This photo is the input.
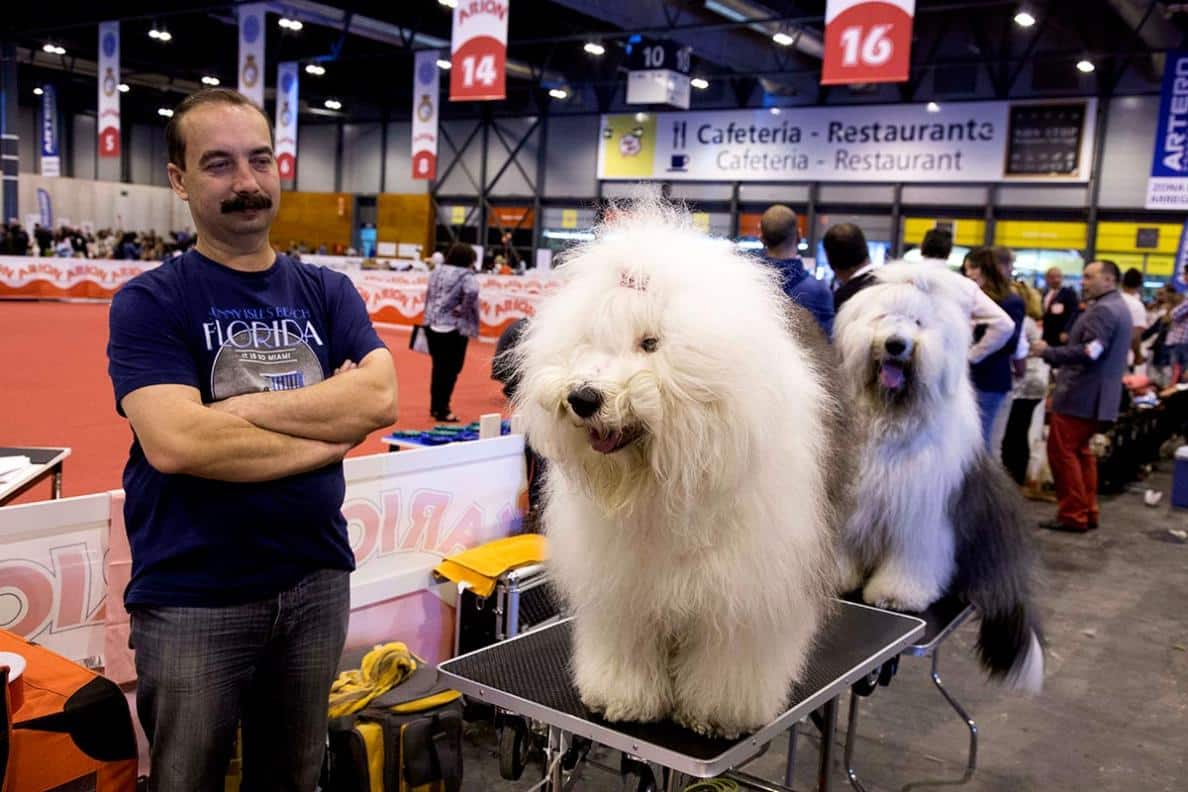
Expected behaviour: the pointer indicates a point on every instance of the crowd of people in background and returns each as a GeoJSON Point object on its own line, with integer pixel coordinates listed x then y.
{"type": "Point", "coordinates": [105, 243]}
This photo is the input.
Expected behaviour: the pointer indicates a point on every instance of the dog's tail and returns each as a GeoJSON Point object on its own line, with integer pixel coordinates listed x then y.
{"type": "Point", "coordinates": [996, 569]}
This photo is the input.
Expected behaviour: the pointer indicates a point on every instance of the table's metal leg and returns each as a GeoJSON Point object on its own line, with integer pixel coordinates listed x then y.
{"type": "Point", "coordinates": [553, 753]}
{"type": "Point", "coordinates": [972, 762]}
{"type": "Point", "coordinates": [57, 493]}
{"type": "Point", "coordinates": [851, 738]}
{"type": "Point", "coordinates": [790, 765]}
{"type": "Point", "coordinates": [828, 734]}
{"type": "Point", "coordinates": [673, 781]}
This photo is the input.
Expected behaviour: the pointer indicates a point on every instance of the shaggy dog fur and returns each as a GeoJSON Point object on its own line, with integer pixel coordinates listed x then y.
{"type": "Point", "coordinates": [934, 512]}
{"type": "Point", "coordinates": [690, 503]}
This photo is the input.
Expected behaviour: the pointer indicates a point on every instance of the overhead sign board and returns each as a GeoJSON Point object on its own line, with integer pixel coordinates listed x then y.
{"type": "Point", "coordinates": [658, 73]}
{"type": "Point", "coordinates": [478, 50]}
{"type": "Point", "coordinates": [867, 41]}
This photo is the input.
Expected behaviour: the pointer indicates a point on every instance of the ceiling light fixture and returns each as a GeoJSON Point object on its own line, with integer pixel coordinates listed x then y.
{"type": "Point", "coordinates": [54, 49]}
{"type": "Point", "coordinates": [1024, 19]}
{"type": "Point", "coordinates": [594, 48]}
{"type": "Point", "coordinates": [783, 39]}
{"type": "Point", "coordinates": [444, 64]}
{"type": "Point", "coordinates": [211, 81]}
{"type": "Point", "coordinates": [775, 111]}
{"type": "Point", "coordinates": [448, 3]}
{"type": "Point", "coordinates": [699, 83]}
{"type": "Point", "coordinates": [333, 104]}
{"type": "Point", "coordinates": [558, 93]}
{"type": "Point", "coordinates": [1085, 66]}
{"type": "Point", "coordinates": [38, 92]}
{"type": "Point", "coordinates": [315, 69]}
{"type": "Point", "coordinates": [933, 107]}
{"type": "Point", "coordinates": [124, 88]}
{"type": "Point", "coordinates": [165, 111]}
{"type": "Point", "coordinates": [290, 24]}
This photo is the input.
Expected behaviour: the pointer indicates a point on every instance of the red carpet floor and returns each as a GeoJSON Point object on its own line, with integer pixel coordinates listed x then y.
{"type": "Point", "coordinates": [54, 390]}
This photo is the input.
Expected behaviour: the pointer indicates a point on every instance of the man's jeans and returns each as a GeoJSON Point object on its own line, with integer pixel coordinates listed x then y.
{"type": "Point", "coordinates": [268, 664]}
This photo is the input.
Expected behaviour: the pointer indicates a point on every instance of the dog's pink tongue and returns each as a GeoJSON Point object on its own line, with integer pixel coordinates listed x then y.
{"type": "Point", "coordinates": [604, 444]}
{"type": "Point", "coordinates": [890, 377]}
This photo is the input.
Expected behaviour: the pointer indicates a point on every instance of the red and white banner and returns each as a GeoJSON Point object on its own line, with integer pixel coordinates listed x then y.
{"type": "Point", "coordinates": [109, 89]}
{"type": "Point", "coordinates": [57, 278]}
{"type": "Point", "coordinates": [392, 297]}
{"type": "Point", "coordinates": [251, 51]}
{"type": "Point", "coordinates": [478, 50]}
{"type": "Point", "coordinates": [426, 89]}
{"type": "Point", "coordinates": [399, 297]}
{"type": "Point", "coordinates": [287, 97]}
{"type": "Point", "coordinates": [867, 41]}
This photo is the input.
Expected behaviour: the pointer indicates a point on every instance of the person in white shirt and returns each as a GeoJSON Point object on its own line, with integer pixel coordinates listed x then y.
{"type": "Point", "coordinates": [935, 249]}
{"type": "Point", "coordinates": [1132, 289]}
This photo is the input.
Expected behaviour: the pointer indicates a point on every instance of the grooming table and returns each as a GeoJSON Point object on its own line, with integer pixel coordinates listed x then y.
{"type": "Point", "coordinates": [529, 675]}
{"type": "Point", "coordinates": [44, 463]}
{"type": "Point", "coordinates": [941, 619]}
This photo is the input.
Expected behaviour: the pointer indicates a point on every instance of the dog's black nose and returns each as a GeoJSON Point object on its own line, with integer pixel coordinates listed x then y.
{"type": "Point", "coordinates": [585, 401]}
{"type": "Point", "coordinates": [895, 346]}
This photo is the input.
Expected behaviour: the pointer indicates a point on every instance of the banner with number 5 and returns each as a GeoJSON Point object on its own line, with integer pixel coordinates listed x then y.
{"type": "Point", "coordinates": [867, 41]}
{"type": "Point", "coordinates": [478, 50]}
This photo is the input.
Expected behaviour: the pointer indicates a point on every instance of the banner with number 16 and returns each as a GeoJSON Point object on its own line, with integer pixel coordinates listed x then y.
{"type": "Point", "coordinates": [867, 41]}
{"type": "Point", "coordinates": [478, 50]}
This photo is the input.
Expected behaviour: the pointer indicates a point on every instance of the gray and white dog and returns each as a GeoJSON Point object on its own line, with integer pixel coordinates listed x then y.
{"type": "Point", "coordinates": [934, 513]}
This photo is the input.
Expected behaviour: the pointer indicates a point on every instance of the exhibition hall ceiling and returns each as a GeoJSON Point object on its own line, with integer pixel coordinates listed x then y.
{"type": "Point", "coordinates": [961, 50]}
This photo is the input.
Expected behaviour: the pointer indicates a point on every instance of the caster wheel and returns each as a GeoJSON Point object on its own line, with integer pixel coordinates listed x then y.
{"type": "Point", "coordinates": [513, 750]}
{"type": "Point", "coordinates": [865, 686]}
{"type": "Point", "coordinates": [637, 776]}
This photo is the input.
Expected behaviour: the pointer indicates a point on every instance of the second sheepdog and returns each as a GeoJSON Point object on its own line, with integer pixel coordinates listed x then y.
{"type": "Point", "coordinates": [689, 504]}
{"type": "Point", "coordinates": [934, 513]}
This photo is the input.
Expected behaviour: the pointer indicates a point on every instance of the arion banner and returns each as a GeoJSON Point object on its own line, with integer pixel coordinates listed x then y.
{"type": "Point", "coordinates": [109, 89]}
{"type": "Point", "coordinates": [426, 88]}
{"type": "Point", "coordinates": [867, 41]}
{"type": "Point", "coordinates": [287, 97]}
{"type": "Point", "coordinates": [478, 50]}
{"type": "Point", "coordinates": [251, 51]}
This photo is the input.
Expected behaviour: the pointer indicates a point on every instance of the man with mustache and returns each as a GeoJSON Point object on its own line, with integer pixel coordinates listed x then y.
{"type": "Point", "coordinates": [246, 377]}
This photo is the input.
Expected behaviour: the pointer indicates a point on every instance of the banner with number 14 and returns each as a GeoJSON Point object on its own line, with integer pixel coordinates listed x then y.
{"type": "Point", "coordinates": [478, 50]}
{"type": "Point", "coordinates": [867, 41]}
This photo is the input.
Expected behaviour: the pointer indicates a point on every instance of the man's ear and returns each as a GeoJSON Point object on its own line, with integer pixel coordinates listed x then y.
{"type": "Point", "coordinates": [175, 181]}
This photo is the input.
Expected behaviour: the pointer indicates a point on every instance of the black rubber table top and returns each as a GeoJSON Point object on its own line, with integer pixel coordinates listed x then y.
{"type": "Point", "coordinates": [37, 456]}
{"type": "Point", "coordinates": [937, 617]}
{"type": "Point", "coordinates": [535, 668]}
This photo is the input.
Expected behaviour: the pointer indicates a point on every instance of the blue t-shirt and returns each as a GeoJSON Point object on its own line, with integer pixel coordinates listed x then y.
{"type": "Point", "coordinates": [806, 291]}
{"type": "Point", "coordinates": [192, 321]}
{"type": "Point", "coordinates": [992, 373]}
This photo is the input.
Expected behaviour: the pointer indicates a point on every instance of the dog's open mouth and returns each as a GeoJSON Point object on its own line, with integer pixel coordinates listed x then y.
{"type": "Point", "coordinates": [608, 442]}
{"type": "Point", "coordinates": [892, 376]}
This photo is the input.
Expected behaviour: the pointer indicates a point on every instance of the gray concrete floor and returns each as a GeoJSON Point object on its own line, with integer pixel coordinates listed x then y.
{"type": "Point", "coordinates": [1114, 712]}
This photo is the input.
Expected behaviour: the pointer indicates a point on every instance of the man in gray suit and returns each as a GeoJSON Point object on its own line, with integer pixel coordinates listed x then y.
{"type": "Point", "coordinates": [1088, 392]}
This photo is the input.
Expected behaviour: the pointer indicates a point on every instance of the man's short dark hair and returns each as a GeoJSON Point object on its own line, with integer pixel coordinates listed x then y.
{"type": "Point", "coordinates": [1109, 268]}
{"type": "Point", "coordinates": [1133, 279]}
{"type": "Point", "coordinates": [845, 247]}
{"type": "Point", "coordinates": [778, 226]}
{"type": "Point", "coordinates": [937, 244]}
{"type": "Point", "coordinates": [461, 254]}
{"type": "Point", "coordinates": [175, 141]}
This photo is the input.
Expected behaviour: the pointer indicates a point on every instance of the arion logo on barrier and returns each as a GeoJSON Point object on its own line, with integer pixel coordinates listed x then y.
{"type": "Point", "coordinates": [384, 528]}
{"type": "Point", "coordinates": [35, 597]}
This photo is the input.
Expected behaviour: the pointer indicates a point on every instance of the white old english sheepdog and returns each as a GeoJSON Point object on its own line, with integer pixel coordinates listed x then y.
{"type": "Point", "coordinates": [934, 513]}
{"type": "Point", "coordinates": [694, 480]}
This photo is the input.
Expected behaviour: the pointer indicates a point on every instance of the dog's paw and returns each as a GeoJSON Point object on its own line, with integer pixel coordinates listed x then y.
{"type": "Point", "coordinates": [713, 727]}
{"type": "Point", "coordinates": [897, 595]}
{"type": "Point", "coordinates": [620, 709]}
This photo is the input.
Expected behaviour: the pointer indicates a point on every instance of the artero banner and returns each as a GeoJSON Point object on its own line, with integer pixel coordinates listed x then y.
{"type": "Point", "coordinates": [1049, 141]}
